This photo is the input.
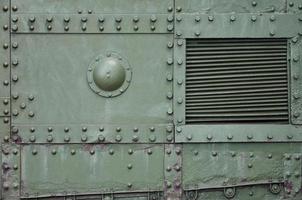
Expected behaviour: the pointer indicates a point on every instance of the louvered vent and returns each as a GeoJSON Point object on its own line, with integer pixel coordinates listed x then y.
{"type": "Point", "coordinates": [236, 80]}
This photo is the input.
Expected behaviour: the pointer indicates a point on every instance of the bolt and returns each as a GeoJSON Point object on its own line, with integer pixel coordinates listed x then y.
{"type": "Point", "coordinates": [289, 137]}
{"type": "Point", "coordinates": [250, 165]}
{"type": "Point", "coordinates": [149, 151]}
{"type": "Point", "coordinates": [214, 153]}
{"type": "Point", "coordinates": [178, 9]}
{"type": "Point", "coordinates": [34, 152]}
{"type": "Point", "coordinates": [66, 19]}
{"type": "Point", "coordinates": [135, 19]}
{"type": "Point", "coordinates": [168, 169]}
{"type": "Point", "coordinates": [233, 18]}
{"type": "Point", "coordinates": [101, 138]}
{"type": "Point", "coordinates": [14, 27]}
{"type": "Point", "coordinates": [101, 19]}
{"type": "Point", "coordinates": [5, 8]}
{"type": "Point", "coordinates": [135, 138]}
{"type": "Point", "coordinates": [118, 19]}
{"type": "Point", "coordinates": [54, 152]}
{"type": "Point", "coordinates": [269, 156]}
{"type": "Point", "coordinates": [83, 138]}
{"type": "Point", "coordinates": [129, 185]}
{"type": "Point", "coordinates": [249, 136]}
{"type": "Point", "coordinates": [66, 28]}
{"type": "Point", "coordinates": [32, 138]}
{"type": "Point", "coordinates": [5, 27]}
{"type": "Point", "coordinates": [118, 129]}
{"type": "Point", "coordinates": [178, 18]}
{"type": "Point", "coordinates": [189, 137]}
{"type": "Point", "coordinates": [118, 138]}
{"type": "Point", "coordinates": [73, 152]}
{"type": "Point", "coordinates": [49, 138]}
{"type": "Point", "coordinates": [291, 4]}
{"type": "Point", "coordinates": [269, 137]}
{"type": "Point", "coordinates": [197, 33]}
{"type": "Point", "coordinates": [152, 138]}
{"type": "Point", "coordinates": [153, 18]}
{"type": "Point", "coordinates": [170, 9]}
{"type": "Point", "coordinates": [14, 18]}
{"type": "Point", "coordinates": [66, 138]}
{"type": "Point", "coordinates": [15, 167]}
{"type": "Point", "coordinates": [32, 129]}
{"type": "Point", "coordinates": [22, 105]}
{"type": "Point", "coordinates": [211, 18]}
{"type": "Point", "coordinates": [111, 151]}
{"type": "Point", "coordinates": [254, 3]}
{"type": "Point", "coordinates": [254, 18]}
{"type": "Point", "coordinates": [230, 137]}
{"type": "Point", "coordinates": [209, 137]}
{"type": "Point", "coordinates": [272, 18]}
{"type": "Point", "coordinates": [91, 152]}
{"type": "Point", "coordinates": [5, 64]}
{"type": "Point", "coordinates": [89, 11]}
{"type": "Point", "coordinates": [197, 18]}
{"type": "Point", "coordinates": [170, 18]}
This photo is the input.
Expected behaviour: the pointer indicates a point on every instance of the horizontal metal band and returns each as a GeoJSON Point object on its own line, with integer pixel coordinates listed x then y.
{"type": "Point", "coordinates": [107, 23]}
{"type": "Point", "coordinates": [92, 133]}
{"type": "Point", "coordinates": [253, 25]}
{"type": "Point", "coordinates": [212, 133]}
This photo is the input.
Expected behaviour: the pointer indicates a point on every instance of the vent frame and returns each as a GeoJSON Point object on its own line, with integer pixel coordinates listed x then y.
{"type": "Point", "coordinates": [256, 50]}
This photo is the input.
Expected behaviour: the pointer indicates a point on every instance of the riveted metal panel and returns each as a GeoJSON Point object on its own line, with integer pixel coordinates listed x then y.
{"type": "Point", "coordinates": [250, 25]}
{"type": "Point", "coordinates": [87, 133]}
{"type": "Point", "coordinates": [227, 168]}
{"type": "Point", "coordinates": [93, 6]}
{"type": "Point", "coordinates": [62, 169]}
{"type": "Point", "coordinates": [246, 133]}
{"type": "Point", "coordinates": [294, 6]}
{"type": "Point", "coordinates": [295, 77]}
{"type": "Point", "coordinates": [4, 49]}
{"type": "Point", "coordinates": [105, 23]}
{"type": "Point", "coordinates": [55, 77]}
{"type": "Point", "coordinates": [229, 6]}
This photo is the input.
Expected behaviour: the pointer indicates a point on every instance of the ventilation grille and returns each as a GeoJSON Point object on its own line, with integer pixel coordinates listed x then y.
{"type": "Point", "coordinates": [236, 80]}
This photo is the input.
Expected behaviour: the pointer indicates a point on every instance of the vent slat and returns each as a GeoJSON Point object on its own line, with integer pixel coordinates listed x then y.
{"type": "Point", "coordinates": [236, 80]}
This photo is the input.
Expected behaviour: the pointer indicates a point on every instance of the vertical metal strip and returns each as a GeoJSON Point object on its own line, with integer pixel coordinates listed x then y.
{"type": "Point", "coordinates": [173, 172]}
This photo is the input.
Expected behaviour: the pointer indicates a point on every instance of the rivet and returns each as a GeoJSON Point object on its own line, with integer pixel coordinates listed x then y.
{"type": "Point", "coordinates": [170, 27]}
{"type": "Point", "coordinates": [149, 151]}
{"type": "Point", "coordinates": [169, 129]}
{"type": "Point", "coordinates": [50, 129]}
{"type": "Point", "coordinates": [251, 154]}
{"type": "Point", "coordinates": [189, 137]}
{"type": "Point", "coordinates": [118, 138]}
{"type": "Point", "coordinates": [118, 19]}
{"type": "Point", "coordinates": [5, 27]}
{"type": "Point", "coordinates": [209, 137]}
{"type": "Point", "coordinates": [233, 153]}
{"type": "Point", "coordinates": [66, 138]}
{"type": "Point", "coordinates": [250, 165]}
{"type": "Point", "coordinates": [177, 168]}
{"type": "Point", "coordinates": [129, 185]}
{"type": "Point", "coordinates": [295, 40]}
{"type": "Point", "coordinates": [53, 151]}
{"type": "Point", "coordinates": [272, 33]}
{"type": "Point", "coordinates": [289, 137]}
{"type": "Point", "coordinates": [254, 18]}
{"type": "Point", "coordinates": [170, 61]}
{"type": "Point", "coordinates": [195, 152]}
{"type": "Point", "coordinates": [32, 129]}
{"type": "Point", "coordinates": [101, 138]}
{"type": "Point", "coordinates": [254, 3]}
{"type": "Point", "coordinates": [15, 78]}
{"type": "Point", "coordinates": [84, 19]}
{"type": "Point", "coordinates": [89, 11]}
{"type": "Point", "coordinates": [5, 8]}
{"type": "Point", "coordinates": [169, 77]}
{"type": "Point", "coordinates": [179, 81]}
{"type": "Point", "coordinates": [214, 153]}
{"type": "Point", "coordinates": [101, 129]}
{"type": "Point", "coordinates": [178, 33]}
{"type": "Point", "coordinates": [169, 184]}
{"type": "Point", "coordinates": [296, 114]}
{"type": "Point", "coordinates": [73, 152]}
{"type": "Point", "coordinates": [14, 8]}
{"type": "Point", "coordinates": [101, 19]}
{"type": "Point", "coordinates": [34, 152]}
{"type": "Point", "coordinates": [49, 19]}
{"type": "Point", "coordinates": [178, 9]}
{"type": "Point", "coordinates": [211, 18]}
{"type": "Point", "coordinates": [15, 112]}
{"type": "Point", "coordinates": [169, 168]}
{"type": "Point", "coordinates": [135, 19]}
{"type": "Point", "coordinates": [152, 28]}
{"type": "Point", "coordinates": [178, 150]}
{"type": "Point", "coordinates": [178, 18]}
{"type": "Point", "coordinates": [170, 18]}
{"type": "Point", "coordinates": [297, 157]}
{"type": "Point", "coordinates": [15, 62]}
{"type": "Point", "coordinates": [6, 82]}
{"type": "Point", "coordinates": [15, 167]}
{"type": "Point", "coordinates": [169, 111]}
{"type": "Point", "coordinates": [135, 28]}
{"type": "Point", "coordinates": [170, 45]}
{"type": "Point", "coordinates": [179, 42]}
{"type": "Point", "coordinates": [130, 151]}
{"type": "Point", "coordinates": [197, 33]}
{"type": "Point", "coordinates": [179, 100]}
{"type": "Point", "coordinates": [296, 59]}
{"type": "Point", "coordinates": [14, 18]}
{"type": "Point", "coordinates": [66, 19]}
{"type": "Point", "coordinates": [84, 128]}
{"type": "Point", "coordinates": [6, 112]}
{"type": "Point", "coordinates": [153, 18]}
{"type": "Point", "coordinates": [49, 27]}
{"type": "Point", "coordinates": [300, 7]}
{"type": "Point", "coordinates": [272, 18]}
{"type": "Point", "coordinates": [118, 129]}
{"type": "Point", "coordinates": [169, 138]}
{"type": "Point", "coordinates": [22, 105]}
{"type": "Point", "coordinates": [49, 138]}
{"type": "Point", "coordinates": [287, 156]}
{"type": "Point", "coordinates": [84, 28]}
{"type": "Point", "coordinates": [180, 120]}
{"type": "Point", "coordinates": [14, 27]}
{"type": "Point", "coordinates": [5, 46]}
{"type": "Point", "coordinates": [5, 64]}
{"type": "Point", "coordinates": [287, 174]}
{"type": "Point", "coordinates": [111, 151]}
{"type": "Point", "coordinates": [269, 137]}
{"type": "Point", "coordinates": [249, 136]}
{"type": "Point", "coordinates": [91, 152]}
{"type": "Point", "coordinates": [269, 156]}
{"type": "Point", "coordinates": [135, 138]}
{"type": "Point", "coordinates": [197, 18]}
{"type": "Point", "coordinates": [66, 28]}
{"type": "Point", "coordinates": [152, 138]}
{"type": "Point", "coordinates": [291, 4]}
{"type": "Point", "coordinates": [230, 137]}
{"type": "Point", "coordinates": [233, 18]}
{"type": "Point", "coordinates": [83, 138]}
{"type": "Point", "coordinates": [6, 120]}
{"type": "Point", "coordinates": [6, 138]}
{"type": "Point", "coordinates": [80, 11]}
{"type": "Point", "coordinates": [170, 9]}
{"type": "Point", "coordinates": [169, 95]}
{"type": "Point", "coordinates": [32, 138]}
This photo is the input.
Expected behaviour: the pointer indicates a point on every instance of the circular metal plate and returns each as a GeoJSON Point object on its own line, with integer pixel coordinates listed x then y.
{"type": "Point", "coordinates": [109, 75]}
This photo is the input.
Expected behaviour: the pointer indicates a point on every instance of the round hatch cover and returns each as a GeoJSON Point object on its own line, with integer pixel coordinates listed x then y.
{"type": "Point", "coordinates": [109, 75]}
